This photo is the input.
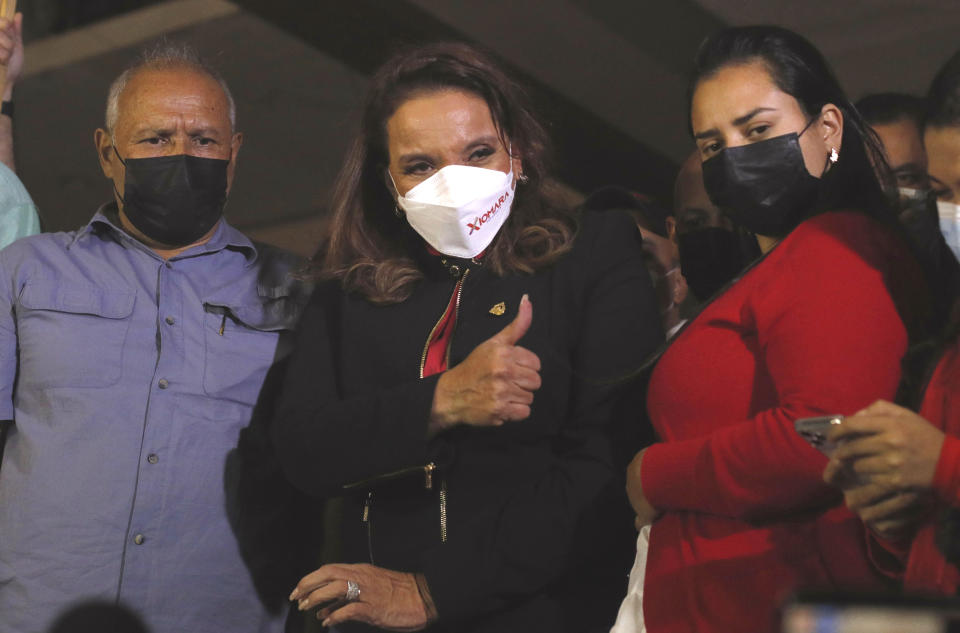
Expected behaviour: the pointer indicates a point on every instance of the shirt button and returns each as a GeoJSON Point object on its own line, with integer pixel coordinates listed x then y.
{"type": "Point", "coordinates": [168, 264]}
{"type": "Point", "coordinates": [170, 320]}
{"type": "Point", "coordinates": [139, 539]}
{"type": "Point", "coordinates": [163, 383]}
{"type": "Point", "coordinates": [152, 458]}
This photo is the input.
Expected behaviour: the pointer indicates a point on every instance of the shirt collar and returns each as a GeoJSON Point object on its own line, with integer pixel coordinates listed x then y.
{"type": "Point", "coordinates": [225, 237]}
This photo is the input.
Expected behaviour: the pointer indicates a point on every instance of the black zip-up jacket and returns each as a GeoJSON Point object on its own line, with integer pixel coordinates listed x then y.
{"type": "Point", "coordinates": [505, 523]}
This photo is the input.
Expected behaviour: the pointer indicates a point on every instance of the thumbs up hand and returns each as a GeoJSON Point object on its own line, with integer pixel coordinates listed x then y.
{"type": "Point", "coordinates": [492, 385]}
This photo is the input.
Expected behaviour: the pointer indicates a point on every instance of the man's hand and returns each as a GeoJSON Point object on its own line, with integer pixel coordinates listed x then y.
{"type": "Point", "coordinates": [885, 461]}
{"type": "Point", "coordinates": [492, 385]}
{"type": "Point", "coordinates": [11, 51]}
{"type": "Point", "coordinates": [893, 517]}
{"type": "Point", "coordinates": [646, 513]}
{"type": "Point", "coordinates": [388, 599]}
{"type": "Point", "coordinates": [885, 445]}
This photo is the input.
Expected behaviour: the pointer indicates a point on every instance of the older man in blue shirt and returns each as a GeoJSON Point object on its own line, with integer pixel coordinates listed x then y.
{"type": "Point", "coordinates": [132, 352]}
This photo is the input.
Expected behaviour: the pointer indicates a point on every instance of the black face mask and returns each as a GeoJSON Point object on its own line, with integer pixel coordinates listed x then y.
{"type": "Point", "coordinates": [174, 200]}
{"type": "Point", "coordinates": [764, 186]}
{"type": "Point", "coordinates": [709, 258]}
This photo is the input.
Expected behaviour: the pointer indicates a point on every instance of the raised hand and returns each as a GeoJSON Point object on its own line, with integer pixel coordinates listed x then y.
{"type": "Point", "coordinates": [492, 385]}
{"type": "Point", "coordinates": [11, 52]}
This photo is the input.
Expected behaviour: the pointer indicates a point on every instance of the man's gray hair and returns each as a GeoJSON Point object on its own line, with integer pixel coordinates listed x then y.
{"type": "Point", "coordinates": [162, 56]}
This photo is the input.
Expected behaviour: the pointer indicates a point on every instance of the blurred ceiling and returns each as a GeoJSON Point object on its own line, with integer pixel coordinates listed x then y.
{"type": "Point", "coordinates": [874, 45]}
{"type": "Point", "coordinates": [609, 76]}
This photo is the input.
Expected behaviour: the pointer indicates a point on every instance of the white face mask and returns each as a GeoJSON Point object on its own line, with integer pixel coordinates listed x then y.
{"type": "Point", "coordinates": [460, 209]}
{"type": "Point", "coordinates": [911, 193]}
{"type": "Point", "coordinates": [950, 225]}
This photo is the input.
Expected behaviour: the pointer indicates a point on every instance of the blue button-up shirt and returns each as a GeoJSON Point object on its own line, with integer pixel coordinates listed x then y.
{"type": "Point", "coordinates": [128, 379]}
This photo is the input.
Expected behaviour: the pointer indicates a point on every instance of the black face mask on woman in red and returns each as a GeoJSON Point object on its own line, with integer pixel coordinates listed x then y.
{"type": "Point", "coordinates": [764, 186]}
{"type": "Point", "coordinates": [174, 200]}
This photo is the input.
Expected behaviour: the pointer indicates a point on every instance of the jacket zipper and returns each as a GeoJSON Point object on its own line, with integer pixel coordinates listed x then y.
{"type": "Point", "coordinates": [423, 362]}
{"type": "Point", "coordinates": [443, 509]}
{"type": "Point", "coordinates": [365, 519]}
{"type": "Point", "coordinates": [433, 330]}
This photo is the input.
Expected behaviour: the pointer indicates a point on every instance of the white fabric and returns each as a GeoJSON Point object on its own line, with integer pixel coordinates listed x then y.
{"type": "Point", "coordinates": [460, 209]}
{"type": "Point", "coordinates": [950, 225]}
{"type": "Point", "coordinates": [676, 328]}
{"type": "Point", "coordinates": [630, 617]}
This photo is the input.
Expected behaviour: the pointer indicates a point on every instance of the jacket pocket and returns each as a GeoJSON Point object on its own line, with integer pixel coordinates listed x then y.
{"type": "Point", "coordinates": [72, 334]}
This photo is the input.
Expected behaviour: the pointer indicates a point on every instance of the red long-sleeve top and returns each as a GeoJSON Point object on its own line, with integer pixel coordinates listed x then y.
{"type": "Point", "coordinates": [926, 569]}
{"type": "Point", "coordinates": [813, 329]}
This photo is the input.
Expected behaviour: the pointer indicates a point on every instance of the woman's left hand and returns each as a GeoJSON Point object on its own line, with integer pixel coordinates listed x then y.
{"type": "Point", "coordinates": [646, 513]}
{"type": "Point", "coordinates": [388, 599]}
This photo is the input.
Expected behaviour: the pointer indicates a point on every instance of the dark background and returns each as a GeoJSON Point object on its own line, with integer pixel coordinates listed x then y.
{"type": "Point", "coordinates": [609, 77]}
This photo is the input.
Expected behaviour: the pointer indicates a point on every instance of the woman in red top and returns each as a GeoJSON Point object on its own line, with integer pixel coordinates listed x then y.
{"type": "Point", "coordinates": [740, 514]}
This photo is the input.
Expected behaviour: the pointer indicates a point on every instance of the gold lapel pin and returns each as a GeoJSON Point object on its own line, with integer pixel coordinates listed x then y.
{"type": "Point", "coordinates": [499, 309]}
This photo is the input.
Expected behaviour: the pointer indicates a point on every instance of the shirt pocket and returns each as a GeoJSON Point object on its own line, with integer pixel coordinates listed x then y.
{"type": "Point", "coordinates": [72, 334]}
{"type": "Point", "coordinates": [238, 355]}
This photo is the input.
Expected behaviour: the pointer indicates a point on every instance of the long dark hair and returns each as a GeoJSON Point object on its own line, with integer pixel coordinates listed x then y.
{"type": "Point", "coordinates": [857, 181]}
{"type": "Point", "coordinates": [943, 96]}
{"type": "Point", "coordinates": [368, 246]}
{"type": "Point", "coordinates": [942, 110]}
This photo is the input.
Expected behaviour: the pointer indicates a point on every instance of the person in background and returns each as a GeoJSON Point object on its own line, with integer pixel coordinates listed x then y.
{"type": "Point", "coordinates": [897, 119]}
{"type": "Point", "coordinates": [455, 379]}
{"type": "Point", "coordinates": [941, 138]}
{"type": "Point", "coordinates": [712, 250]}
{"type": "Point", "coordinates": [740, 514]}
{"type": "Point", "coordinates": [132, 352]}
{"type": "Point", "coordinates": [660, 252]}
{"type": "Point", "coordinates": [18, 214]}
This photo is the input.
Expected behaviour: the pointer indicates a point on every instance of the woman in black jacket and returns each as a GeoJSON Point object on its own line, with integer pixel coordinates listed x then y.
{"type": "Point", "coordinates": [456, 375]}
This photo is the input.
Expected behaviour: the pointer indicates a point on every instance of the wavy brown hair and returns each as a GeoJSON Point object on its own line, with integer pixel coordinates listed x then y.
{"type": "Point", "coordinates": [371, 249]}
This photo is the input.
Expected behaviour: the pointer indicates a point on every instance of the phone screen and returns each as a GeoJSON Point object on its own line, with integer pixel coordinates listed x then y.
{"type": "Point", "coordinates": [859, 619]}
{"type": "Point", "coordinates": [832, 612]}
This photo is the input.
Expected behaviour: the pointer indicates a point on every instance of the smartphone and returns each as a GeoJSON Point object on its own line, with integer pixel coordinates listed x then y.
{"type": "Point", "coordinates": [815, 430]}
